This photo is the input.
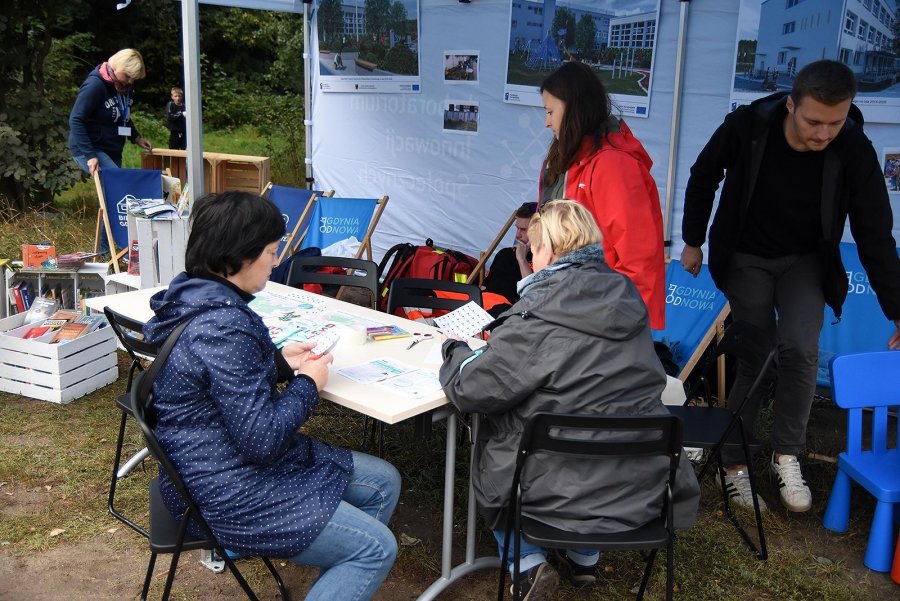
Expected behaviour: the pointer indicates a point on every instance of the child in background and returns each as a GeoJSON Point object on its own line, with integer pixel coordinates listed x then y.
{"type": "Point", "coordinates": [175, 120]}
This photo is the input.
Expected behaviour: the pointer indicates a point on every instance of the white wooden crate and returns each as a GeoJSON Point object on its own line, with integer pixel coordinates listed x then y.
{"type": "Point", "coordinates": [161, 246]}
{"type": "Point", "coordinates": [58, 373]}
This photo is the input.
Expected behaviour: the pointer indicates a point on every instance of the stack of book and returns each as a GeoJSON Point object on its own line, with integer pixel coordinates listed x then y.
{"type": "Point", "coordinates": [74, 260]}
{"type": "Point", "coordinates": [58, 326]}
{"type": "Point", "coordinates": [151, 208]}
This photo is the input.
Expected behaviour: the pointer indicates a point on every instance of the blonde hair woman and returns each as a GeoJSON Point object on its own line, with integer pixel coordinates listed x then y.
{"type": "Point", "coordinates": [577, 341]}
{"type": "Point", "coordinates": [100, 120]}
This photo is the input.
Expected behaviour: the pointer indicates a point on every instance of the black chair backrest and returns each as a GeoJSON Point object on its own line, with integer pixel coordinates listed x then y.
{"type": "Point", "coordinates": [578, 435]}
{"type": "Point", "coordinates": [419, 292]}
{"type": "Point", "coordinates": [142, 409]}
{"type": "Point", "coordinates": [130, 334]}
{"type": "Point", "coordinates": [364, 275]}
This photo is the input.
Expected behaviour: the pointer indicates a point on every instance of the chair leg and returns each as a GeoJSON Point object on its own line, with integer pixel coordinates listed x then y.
{"type": "Point", "coordinates": [837, 513]}
{"type": "Point", "coordinates": [647, 569]}
{"type": "Point", "coordinates": [237, 574]}
{"type": "Point", "coordinates": [150, 565]}
{"type": "Point", "coordinates": [670, 567]}
{"type": "Point", "coordinates": [278, 581]}
{"type": "Point", "coordinates": [879, 551]}
{"type": "Point", "coordinates": [170, 577]}
{"type": "Point", "coordinates": [114, 479]}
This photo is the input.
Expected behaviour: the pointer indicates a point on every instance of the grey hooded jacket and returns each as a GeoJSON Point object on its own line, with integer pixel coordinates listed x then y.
{"type": "Point", "coordinates": [576, 342]}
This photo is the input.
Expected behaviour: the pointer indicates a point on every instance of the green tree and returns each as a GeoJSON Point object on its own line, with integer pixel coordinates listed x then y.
{"type": "Point", "coordinates": [36, 91]}
{"type": "Point", "coordinates": [397, 19]}
{"type": "Point", "coordinates": [377, 17]}
{"type": "Point", "coordinates": [585, 36]}
{"type": "Point", "coordinates": [564, 20]}
{"type": "Point", "coordinates": [331, 20]}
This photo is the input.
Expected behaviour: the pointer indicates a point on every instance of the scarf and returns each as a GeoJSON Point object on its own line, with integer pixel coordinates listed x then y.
{"type": "Point", "coordinates": [592, 253]}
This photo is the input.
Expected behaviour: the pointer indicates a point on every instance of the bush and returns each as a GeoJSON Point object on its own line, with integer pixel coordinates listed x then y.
{"type": "Point", "coordinates": [401, 60]}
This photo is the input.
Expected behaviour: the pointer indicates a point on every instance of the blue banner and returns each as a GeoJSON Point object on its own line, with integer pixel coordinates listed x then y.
{"type": "Point", "coordinates": [122, 185]}
{"type": "Point", "coordinates": [336, 219]}
{"type": "Point", "coordinates": [291, 202]}
{"type": "Point", "coordinates": [692, 305]}
{"type": "Point", "coordinates": [863, 326]}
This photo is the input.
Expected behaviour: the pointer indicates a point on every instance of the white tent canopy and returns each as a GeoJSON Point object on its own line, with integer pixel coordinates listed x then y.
{"type": "Point", "coordinates": [459, 189]}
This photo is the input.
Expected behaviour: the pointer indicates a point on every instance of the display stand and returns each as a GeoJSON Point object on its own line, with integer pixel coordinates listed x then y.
{"type": "Point", "coordinates": [221, 171]}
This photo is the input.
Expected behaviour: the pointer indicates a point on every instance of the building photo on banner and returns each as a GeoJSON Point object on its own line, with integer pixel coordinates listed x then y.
{"type": "Point", "coordinates": [617, 38]}
{"type": "Point", "coordinates": [369, 46]}
{"type": "Point", "coordinates": [777, 39]}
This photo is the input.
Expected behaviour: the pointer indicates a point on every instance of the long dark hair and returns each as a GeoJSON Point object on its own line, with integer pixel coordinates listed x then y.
{"type": "Point", "coordinates": [587, 113]}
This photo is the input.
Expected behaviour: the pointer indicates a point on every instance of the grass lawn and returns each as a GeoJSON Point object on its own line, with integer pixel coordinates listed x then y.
{"type": "Point", "coordinates": [519, 74]}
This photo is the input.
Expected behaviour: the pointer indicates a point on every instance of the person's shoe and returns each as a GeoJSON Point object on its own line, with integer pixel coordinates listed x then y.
{"type": "Point", "coordinates": [538, 584]}
{"type": "Point", "coordinates": [795, 495]}
{"type": "Point", "coordinates": [579, 575]}
{"type": "Point", "coordinates": [737, 488]}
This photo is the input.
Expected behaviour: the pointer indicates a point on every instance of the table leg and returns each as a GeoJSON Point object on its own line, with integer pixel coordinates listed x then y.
{"type": "Point", "coordinates": [450, 574]}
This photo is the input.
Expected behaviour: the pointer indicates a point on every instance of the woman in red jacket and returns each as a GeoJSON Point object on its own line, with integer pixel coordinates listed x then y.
{"type": "Point", "coordinates": [595, 160]}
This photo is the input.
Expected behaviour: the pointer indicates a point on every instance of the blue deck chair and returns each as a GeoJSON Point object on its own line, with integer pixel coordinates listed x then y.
{"type": "Point", "coordinates": [695, 314]}
{"type": "Point", "coordinates": [295, 205]}
{"type": "Point", "coordinates": [863, 327]}
{"type": "Point", "coordinates": [115, 187]}
{"type": "Point", "coordinates": [334, 219]}
{"type": "Point", "coordinates": [868, 381]}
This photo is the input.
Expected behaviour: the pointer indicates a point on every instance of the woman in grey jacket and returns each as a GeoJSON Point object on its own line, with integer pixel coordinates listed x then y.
{"type": "Point", "coordinates": [578, 341]}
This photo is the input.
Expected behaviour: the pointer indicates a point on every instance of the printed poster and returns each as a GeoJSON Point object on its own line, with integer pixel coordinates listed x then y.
{"type": "Point", "coordinates": [369, 46]}
{"type": "Point", "coordinates": [617, 38]}
{"type": "Point", "coordinates": [777, 39]}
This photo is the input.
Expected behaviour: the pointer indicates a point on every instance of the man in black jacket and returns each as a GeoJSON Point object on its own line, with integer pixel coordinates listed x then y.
{"type": "Point", "coordinates": [795, 167]}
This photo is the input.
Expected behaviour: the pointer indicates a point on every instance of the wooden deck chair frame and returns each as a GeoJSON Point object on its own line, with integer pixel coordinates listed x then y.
{"type": "Point", "coordinates": [103, 221]}
{"type": "Point", "coordinates": [716, 331]}
{"type": "Point", "coordinates": [478, 271]}
{"type": "Point", "coordinates": [290, 245]}
{"type": "Point", "coordinates": [365, 244]}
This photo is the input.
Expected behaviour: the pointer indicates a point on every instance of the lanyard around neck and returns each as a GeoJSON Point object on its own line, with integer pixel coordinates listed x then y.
{"type": "Point", "coordinates": [122, 102]}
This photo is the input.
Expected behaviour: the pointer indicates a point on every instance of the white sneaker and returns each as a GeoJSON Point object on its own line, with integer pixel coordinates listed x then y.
{"type": "Point", "coordinates": [737, 487]}
{"type": "Point", "coordinates": [795, 495]}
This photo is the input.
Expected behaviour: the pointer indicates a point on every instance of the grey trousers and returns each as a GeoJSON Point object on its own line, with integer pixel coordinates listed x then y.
{"type": "Point", "coordinates": [783, 297]}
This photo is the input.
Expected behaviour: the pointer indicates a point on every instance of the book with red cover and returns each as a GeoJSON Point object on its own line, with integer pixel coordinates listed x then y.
{"type": "Point", "coordinates": [134, 265]}
{"type": "Point", "coordinates": [36, 332]}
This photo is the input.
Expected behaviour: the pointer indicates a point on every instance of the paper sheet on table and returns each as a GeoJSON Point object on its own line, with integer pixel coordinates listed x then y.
{"type": "Point", "coordinates": [415, 384]}
{"type": "Point", "coordinates": [466, 321]}
{"type": "Point", "coordinates": [375, 371]}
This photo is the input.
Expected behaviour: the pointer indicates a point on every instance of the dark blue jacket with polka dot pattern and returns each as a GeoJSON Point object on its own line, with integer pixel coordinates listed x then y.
{"type": "Point", "coordinates": [263, 487]}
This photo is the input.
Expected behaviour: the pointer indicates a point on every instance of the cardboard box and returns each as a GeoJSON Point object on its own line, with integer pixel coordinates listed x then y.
{"type": "Point", "coordinates": [58, 373]}
{"type": "Point", "coordinates": [161, 244]}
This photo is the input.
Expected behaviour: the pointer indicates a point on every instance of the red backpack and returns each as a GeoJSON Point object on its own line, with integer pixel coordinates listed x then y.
{"type": "Point", "coordinates": [408, 261]}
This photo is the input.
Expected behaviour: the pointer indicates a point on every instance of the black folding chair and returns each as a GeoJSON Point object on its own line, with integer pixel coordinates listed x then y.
{"type": "Point", "coordinates": [360, 274]}
{"type": "Point", "coordinates": [130, 335]}
{"type": "Point", "coordinates": [713, 427]}
{"type": "Point", "coordinates": [420, 292]}
{"type": "Point", "coordinates": [168, 534]}
{"type": "Point", "coordinates": [595, 438]}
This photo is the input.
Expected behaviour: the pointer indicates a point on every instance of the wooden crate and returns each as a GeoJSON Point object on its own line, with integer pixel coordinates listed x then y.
{"type": "Point", "coordinates": [221, 171]}
{"type": "Point", "coordinates": [161, 246]}
{"type": "Point", "coordinates": [58, 373]}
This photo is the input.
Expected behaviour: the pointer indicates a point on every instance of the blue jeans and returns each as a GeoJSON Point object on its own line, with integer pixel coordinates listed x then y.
{"type": "Point", "coordinates": [356, 549]}
{"type": "Point", "coordinates": [104, 159]}
{"type": "Point", "coordinates": [532, 555]}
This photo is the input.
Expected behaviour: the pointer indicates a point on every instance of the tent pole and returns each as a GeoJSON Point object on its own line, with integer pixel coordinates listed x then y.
{"type": "Point", "coordinates": [676, 123]}
{"type": "Point", "coordinates": [190, 35]}
{"type": "Point", "coordinates": [307, 92]}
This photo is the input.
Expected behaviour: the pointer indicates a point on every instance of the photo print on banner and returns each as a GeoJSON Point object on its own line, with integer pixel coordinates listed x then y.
{"type": "Point", "coordinates": [617, 38]}
{"type": "Point", "coordinates": [777, 39]}
{"type": "Point", "coordinates": [369, 46]}
{"type": "Point", "coordinates": [461, 117]}
{"type": "Point", "coordinates": [461, 67]}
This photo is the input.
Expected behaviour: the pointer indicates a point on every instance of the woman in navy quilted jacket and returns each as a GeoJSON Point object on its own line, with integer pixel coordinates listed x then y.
{"type": "Point", "coordinates": [262, 486]}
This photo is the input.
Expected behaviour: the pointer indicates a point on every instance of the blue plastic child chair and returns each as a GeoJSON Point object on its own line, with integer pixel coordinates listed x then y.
{"type": "Point", "coordinates": [868, 380]}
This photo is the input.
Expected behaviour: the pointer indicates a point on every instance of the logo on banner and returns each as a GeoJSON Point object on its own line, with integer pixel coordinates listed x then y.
{"type": "Point", "coordinates": [858, 283]}
{"type": "Point", "coordinates": [691, 298]}
{"type": "Point", "coordinates": [339, 225]}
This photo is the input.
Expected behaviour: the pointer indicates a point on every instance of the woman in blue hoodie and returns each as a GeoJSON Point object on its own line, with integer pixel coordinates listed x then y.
{"type": "Point", "coordinates": [100, 120]}
{"type": "Point", "coordinates": [263, 486]}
